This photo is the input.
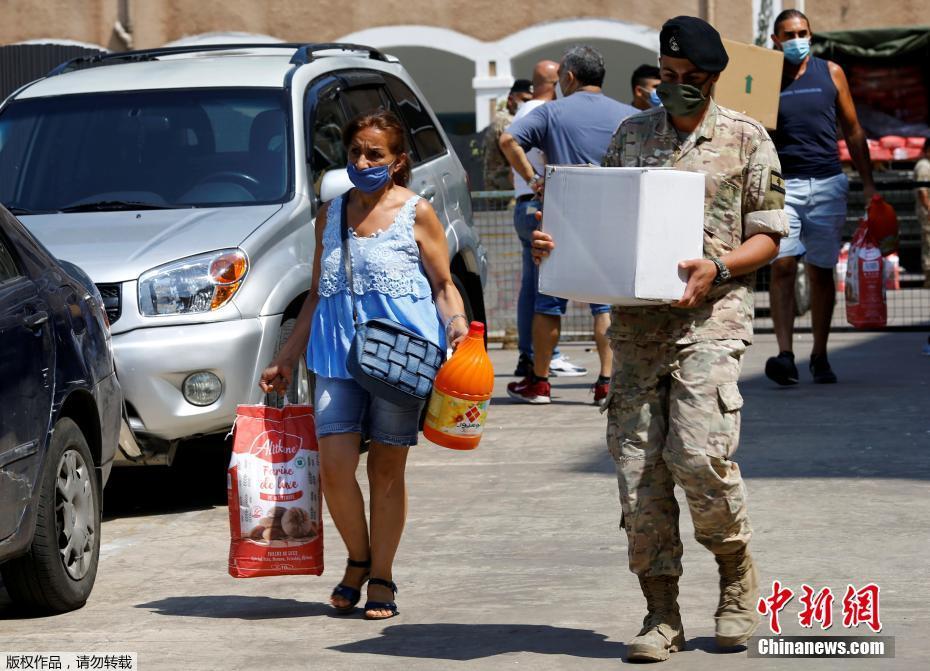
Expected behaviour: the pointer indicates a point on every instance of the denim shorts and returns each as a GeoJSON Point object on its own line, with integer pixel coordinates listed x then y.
{"type": "Point", "coordinates": [342, 406]}
{"type": "Point", "coordinates": [816, 210]}
{"type": "Point", "coordinates": [555, 306]}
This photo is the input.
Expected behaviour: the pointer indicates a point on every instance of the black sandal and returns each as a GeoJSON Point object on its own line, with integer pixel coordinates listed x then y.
{"type": "Point", "coordinates": [350, 594]}
{"type": "Point", "coordinates": [381, 605]}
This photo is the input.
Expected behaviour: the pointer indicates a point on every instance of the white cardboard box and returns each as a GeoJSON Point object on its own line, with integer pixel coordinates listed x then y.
{"type": "Point", "coordinates": [620, 233]}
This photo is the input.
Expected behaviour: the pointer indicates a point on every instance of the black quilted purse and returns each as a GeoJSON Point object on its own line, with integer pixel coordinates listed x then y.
{"type": "Point", "coordinates": [387, 359]}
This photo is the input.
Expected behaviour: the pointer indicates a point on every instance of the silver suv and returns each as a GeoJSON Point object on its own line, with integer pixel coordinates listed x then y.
{"type": "Point", "coordinates": [185, 182]}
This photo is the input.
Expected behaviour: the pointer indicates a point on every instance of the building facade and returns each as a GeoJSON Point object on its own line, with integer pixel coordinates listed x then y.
{"type": "Point", "coordinates": [464, 55]}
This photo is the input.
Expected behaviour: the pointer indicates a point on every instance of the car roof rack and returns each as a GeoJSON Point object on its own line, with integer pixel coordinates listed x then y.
{"type": "Point", "coordinates": [303, 53]}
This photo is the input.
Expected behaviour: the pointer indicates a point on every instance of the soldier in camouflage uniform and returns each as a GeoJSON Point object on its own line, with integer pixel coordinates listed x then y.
{"type": "Point", "coordinates": [497, 176]}
{"type": "Point", "coordinates": [674, 405]}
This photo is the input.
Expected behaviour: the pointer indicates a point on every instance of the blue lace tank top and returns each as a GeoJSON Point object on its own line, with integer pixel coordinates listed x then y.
{"type": "Point", "coordinates": [388, 282]}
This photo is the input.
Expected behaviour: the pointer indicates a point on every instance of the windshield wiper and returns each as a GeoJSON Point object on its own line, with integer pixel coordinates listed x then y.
{"type": "Point", "coordinates": [22, 211]}
{"type": "Point", "coordinates": [114, 205]}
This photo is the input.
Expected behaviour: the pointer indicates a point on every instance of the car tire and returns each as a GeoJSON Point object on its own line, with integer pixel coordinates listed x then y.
{"type": "Point", "coordinates": [46, 579]}
{"type": "Point", "coordinates": [460, 285]}
{"type": "Point", "coordinates": [301, 388]}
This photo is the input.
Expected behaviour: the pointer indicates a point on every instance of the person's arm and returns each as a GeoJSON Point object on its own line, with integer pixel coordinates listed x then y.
{"type": "Point", "coordinates": [852, 131]}
{"type": "Point", "coordinates": [764, 224]}
{"type": "Point", "coordinates": [434, 253]}
{"type": "Point", "coordinates": [277, 376]}
{"type": "Point", "coordinates": [522, 135]}
{"type": "Point", "coordinates": [516, 157]}
{"type": "Point", "coordinates": [922, 174]}
{"type": "Point", "coordinates": [755, 252]}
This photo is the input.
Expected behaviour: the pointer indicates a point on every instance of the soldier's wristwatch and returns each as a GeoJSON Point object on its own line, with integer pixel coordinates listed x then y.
{"type": "Point", "coordinates": [723, 273]}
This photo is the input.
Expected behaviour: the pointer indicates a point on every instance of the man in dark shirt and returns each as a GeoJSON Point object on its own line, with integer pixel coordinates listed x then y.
{"type": "Point", "coordinates": [814, 96]}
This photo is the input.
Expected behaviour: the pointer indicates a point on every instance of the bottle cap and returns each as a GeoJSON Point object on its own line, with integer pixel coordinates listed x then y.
{"type": "Point", "coordinates": [476, 328]}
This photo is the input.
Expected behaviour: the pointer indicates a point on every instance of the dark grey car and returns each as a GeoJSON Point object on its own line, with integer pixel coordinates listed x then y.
{"type": "Point", "coordinates": [60, 406]}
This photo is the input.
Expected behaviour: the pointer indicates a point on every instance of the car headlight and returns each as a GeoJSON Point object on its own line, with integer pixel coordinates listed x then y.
{"type": "Point", "coordinates": [196, 284]}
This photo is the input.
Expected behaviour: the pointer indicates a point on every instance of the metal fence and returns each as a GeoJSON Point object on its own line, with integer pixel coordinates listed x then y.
{"type": "Point", "coordinates": [22, 63]}
{"type": "Point", "coordinates": [908, 306]}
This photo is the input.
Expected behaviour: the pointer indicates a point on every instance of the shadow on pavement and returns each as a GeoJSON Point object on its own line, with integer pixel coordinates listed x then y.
{"type": "Point", "coordinates": [709, 644]}
{"type": "Point", "coordinates": [235, 607]}
{"type": "Point", "coordinates": [195, 481]}
{"type": "Point", "coordinates": [463, 642]}
{"type": "Point", "coordinates": [874, 424]}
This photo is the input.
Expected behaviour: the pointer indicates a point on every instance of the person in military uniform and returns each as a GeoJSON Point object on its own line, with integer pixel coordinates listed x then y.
{"type": "Point", "coordinates": [674, 406]}
{"type": "Point", "coordinates": [496, 168]}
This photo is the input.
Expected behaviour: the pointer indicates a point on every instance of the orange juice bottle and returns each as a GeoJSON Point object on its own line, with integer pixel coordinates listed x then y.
{"type": "Point", "coordinates": [462, 391]}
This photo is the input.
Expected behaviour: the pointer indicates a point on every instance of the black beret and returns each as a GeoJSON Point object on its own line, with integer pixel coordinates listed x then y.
{"type": "Point", "coordinates": [695, 39]}
{"type": "Point", "coordinates": [522, 86]}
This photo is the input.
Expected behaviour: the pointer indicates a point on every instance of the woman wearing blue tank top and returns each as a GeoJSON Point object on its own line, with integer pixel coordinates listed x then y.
{"type": "Point", "coordinates": [400, 268]}
{"type": "Point", "coordinates": [814, 96]}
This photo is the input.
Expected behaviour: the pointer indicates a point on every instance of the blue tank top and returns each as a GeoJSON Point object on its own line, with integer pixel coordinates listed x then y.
{"type": "Point", "coordinates": [388, 282]}
{"type": "Point", "coordinates": [806, 132]}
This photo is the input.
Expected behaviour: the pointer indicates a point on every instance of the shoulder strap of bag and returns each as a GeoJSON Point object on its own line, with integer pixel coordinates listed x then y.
{"type": "Point", "coordinates": [346, 254]}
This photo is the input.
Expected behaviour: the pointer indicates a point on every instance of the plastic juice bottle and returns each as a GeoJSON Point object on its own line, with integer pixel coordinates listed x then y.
{"type": "Point", "coordinates": [462, 391]}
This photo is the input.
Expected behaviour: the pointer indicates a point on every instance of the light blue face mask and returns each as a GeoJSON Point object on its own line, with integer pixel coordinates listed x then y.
{"type": "Point", "coordinates": [654, 98]}
{"type": "Point", "coordinates": [796, 50]}
{"type": "Point", "coordinates": [370, 179]}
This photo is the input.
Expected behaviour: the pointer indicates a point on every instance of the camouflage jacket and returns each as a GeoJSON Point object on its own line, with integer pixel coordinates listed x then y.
{"type": "Point", "coordinates": [496, 168]}
{"type": "Point", "coordinates": [744, 195]}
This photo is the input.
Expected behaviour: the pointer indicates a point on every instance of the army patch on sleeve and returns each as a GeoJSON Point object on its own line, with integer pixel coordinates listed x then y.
{"type": "Point", "coordinates": [776, 182]}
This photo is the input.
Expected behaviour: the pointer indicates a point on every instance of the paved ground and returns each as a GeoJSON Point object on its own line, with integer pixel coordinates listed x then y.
{"type": "Point", "coordinates": [513, 557]}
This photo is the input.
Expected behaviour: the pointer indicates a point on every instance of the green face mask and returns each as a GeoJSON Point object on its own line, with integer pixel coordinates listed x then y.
{"type": "Point", "coordinates": [681, 99]}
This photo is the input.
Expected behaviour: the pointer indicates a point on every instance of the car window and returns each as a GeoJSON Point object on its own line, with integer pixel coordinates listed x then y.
{"type": "Point", "coordinates": [326, 121]}
{"type": "Point", "coordinates": [8, 269]}
{"type": "Point", "coordinates": [427, 141]}
{"type": "Point", "coordinates": [363, 101]}
{"type": "Point", "coordinates": [167, 148]}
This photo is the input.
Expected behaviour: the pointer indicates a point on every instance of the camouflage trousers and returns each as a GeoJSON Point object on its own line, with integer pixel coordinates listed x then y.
{"type": "Point", "coordinates": [674, 418]}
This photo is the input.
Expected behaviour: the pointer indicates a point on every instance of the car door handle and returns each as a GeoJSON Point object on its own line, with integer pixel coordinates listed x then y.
{"type": "Point", "coordinates": [35, 320]}
{"type": "Point", "coordinates": [428, 192]}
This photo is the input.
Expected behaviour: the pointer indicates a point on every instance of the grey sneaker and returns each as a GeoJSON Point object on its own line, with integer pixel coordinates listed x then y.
{"type": "Point", "coordinates": [562, 367]}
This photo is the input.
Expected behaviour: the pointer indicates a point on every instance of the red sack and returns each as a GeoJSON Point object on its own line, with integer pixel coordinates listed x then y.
{"type": "Point", "coordinates": [273, 485]}
{"type": "Point", "coordinates": [865, 282]}
{"type": "Point", "coordinates": [882, 222]}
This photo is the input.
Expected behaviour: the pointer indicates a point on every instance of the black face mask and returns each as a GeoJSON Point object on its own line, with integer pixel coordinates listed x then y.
{"type": "Point", "coordinates": [682, 100]}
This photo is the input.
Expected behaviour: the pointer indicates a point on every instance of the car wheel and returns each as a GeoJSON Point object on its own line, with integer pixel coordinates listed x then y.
{"type": "Point", "coordinates": [460, 285]}
{"type": "Point", "coordinates": [301, 389]}
{"type": "Point", "coordinates": [58, 572]}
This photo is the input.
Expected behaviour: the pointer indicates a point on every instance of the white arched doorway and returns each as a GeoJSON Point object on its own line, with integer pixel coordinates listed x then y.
{"type": "Point", "coordinates": [626, 45]}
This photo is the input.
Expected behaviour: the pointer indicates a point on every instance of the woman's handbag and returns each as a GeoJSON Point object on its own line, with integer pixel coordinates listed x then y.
{"type": "Point", "coordinates": [388, 360]}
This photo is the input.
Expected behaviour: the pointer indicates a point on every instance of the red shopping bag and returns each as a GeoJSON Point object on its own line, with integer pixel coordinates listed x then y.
{"type": "Point", "coordinates": [882, 222]}
{"type": "Point", "coordinates": [273, 485]}
{"type": "Point", "coordinates": [865, 282]}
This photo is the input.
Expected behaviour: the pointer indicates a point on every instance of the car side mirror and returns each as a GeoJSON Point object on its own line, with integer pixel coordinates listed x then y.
{"type": "Point", "coordinates": [335, 183]}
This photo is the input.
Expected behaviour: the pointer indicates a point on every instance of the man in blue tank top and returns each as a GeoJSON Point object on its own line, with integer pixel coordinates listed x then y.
{"type": "Point", "coordinates": [814, 96]}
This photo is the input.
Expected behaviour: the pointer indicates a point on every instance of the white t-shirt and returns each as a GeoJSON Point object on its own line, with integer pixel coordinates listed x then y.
{"type": "Point", "coordinates": [535, 156]}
